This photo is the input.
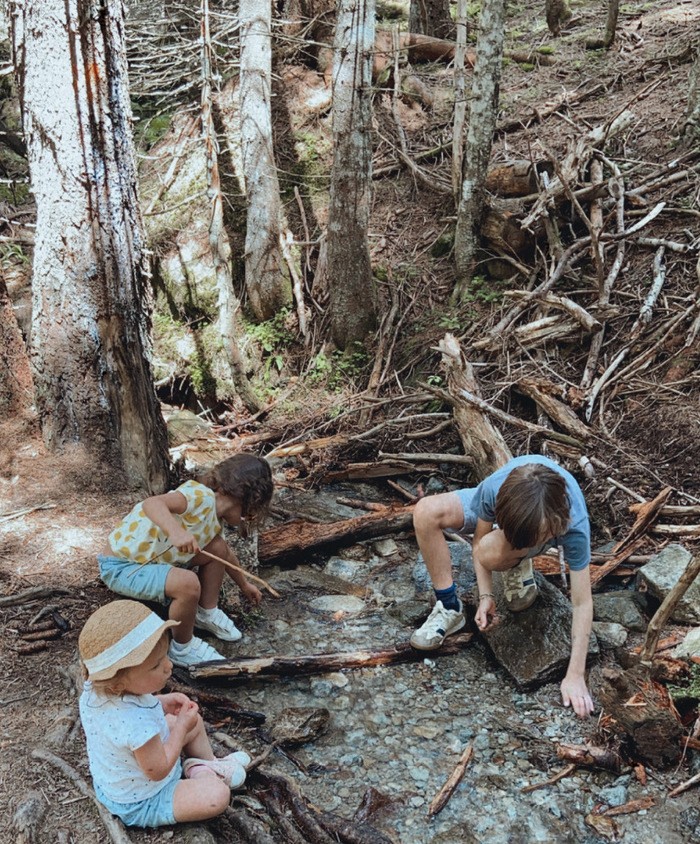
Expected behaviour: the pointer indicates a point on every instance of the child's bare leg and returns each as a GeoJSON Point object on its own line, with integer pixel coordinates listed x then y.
{"type": "Point", "coordinates": [197, 742]}
{"type": "Point", "coordinates": [201, 797]}
{"type": "Point", "coordinates": [431, 516]}
{"type": "Point", "coordinates": [183, 588]}
{"type": "Point", "coordinates": [211, 573]}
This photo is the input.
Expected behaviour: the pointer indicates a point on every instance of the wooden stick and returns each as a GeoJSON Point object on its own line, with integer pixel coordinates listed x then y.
{"type": "Point", "coordinates": [630, 807]}
{"type": "Point", "coordinates": [569, 769]}
{"type": "Point", "coordinates": [668, 605]}
{"type": "Point", "coordinates": [684, 786]}
{"type": "Point", "coordinates": [113, 826]}
{"type": "Point", "coordinates": [442, 797]}
{"type": "Point", "coordinates": [234, 567]}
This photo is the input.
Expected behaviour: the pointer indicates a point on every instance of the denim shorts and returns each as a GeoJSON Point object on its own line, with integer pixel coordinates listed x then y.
{"type": "Point", "coordinates": [141, 582]}
{"type": "Point", "coordinates": [154, 811]}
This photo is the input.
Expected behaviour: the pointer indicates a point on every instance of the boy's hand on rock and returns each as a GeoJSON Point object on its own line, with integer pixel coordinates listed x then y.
{"type": "Point", "coordinates": [486, 616]}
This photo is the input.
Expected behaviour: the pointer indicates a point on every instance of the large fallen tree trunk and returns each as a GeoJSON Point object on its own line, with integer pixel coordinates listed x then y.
{"type": "Point", "coordinates": [294, 538]}
{"type": "Point", "coordinates": [294, 666]}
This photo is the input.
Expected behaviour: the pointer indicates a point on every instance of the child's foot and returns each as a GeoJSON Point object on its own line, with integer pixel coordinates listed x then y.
{"type": "Point", "coordinates": [227, 769]}
{"type": "Point", "coordinates": [519, 587]}
{"type": "Point", "coordinates": [217, 622]}
{"type": "Point", "coordinates": [240, 756]}
{"type": "Point", "coordinates": [439, 624]}
{"type": "Point", "coordinates": [192, 653]}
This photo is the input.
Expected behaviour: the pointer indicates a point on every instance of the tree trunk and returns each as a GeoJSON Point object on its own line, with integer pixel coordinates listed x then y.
{"type": "Point", "coordinates": [431, 17]}
{"type": "Point", "coordinates": [482, 123]}
{"type": "Point", "coordinates": [353, 309]}
{"type": "Point", "coordinates": [91, 297]}
{"type": "Point", "coordinates": [16, 388]}
{"type": "Point", "coordinates": [692, 121]}
{"type": "Point", "coordinates": [267, 278]}
{"type": "Point", "coordinates": [557, 13]}
{"type": "Point", "coordinates": [229, 304]}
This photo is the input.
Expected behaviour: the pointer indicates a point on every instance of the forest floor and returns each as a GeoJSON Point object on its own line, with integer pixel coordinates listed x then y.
{"type": "Point", "coordinates": [398, 729]}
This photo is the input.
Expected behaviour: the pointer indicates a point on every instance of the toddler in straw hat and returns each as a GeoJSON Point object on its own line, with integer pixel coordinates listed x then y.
{"type": "Point", "coordinates": [155, 554]}
{"type": "Point", "coordinates": [135, 736]}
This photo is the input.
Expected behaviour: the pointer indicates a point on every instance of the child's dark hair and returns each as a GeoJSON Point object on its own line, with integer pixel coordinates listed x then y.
{"type": "Point", "coordinates": [246, 477]}
{"type": "Point", "coordinates": [532, 499]}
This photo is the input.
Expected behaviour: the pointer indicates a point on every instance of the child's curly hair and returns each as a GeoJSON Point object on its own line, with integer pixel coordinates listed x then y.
{"type": "Point", "coordinates": [245, 477]}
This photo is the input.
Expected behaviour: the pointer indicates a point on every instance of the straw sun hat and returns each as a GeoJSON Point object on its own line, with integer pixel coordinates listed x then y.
{"type": "Point", "coordinates": [118, 635]}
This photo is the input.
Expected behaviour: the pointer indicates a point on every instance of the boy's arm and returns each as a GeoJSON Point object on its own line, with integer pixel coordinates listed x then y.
{"type": "Point", "coordinates": [160, 510]}
{"type": "Point", "coordinates": [574, 690]}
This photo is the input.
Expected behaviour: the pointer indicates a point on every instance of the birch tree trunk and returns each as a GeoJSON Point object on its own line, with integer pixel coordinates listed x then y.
{"type": "Point", "coordinates": [91, 298]}
{"type": "Point", "coordinates": [267, 278]}
{"type": "Point", "coordinates": [431, 17]}
{"type": "Point", "coordinates": [482, 123]}
{"type": "Point", "coordinates": [349, 269]}
{"type": "Point", "coordinates": [229, 304]}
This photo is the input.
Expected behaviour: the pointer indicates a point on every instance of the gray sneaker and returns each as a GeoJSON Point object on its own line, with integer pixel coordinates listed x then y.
{"type": "Point", "coordinates": [439, 624]}
{"type": "Point", "coordinates": [519, 587]}
{"type": "Point", "coordinates": [197, 651]}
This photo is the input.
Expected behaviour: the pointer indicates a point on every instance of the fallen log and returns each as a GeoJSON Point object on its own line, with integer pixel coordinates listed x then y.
{"type": "Point", "coordinates": [294, 538]}
{"type": "Point", "coordinates": [480, 439]}
{"type": "Point", "coordinates": [367, 471]}
{"type": "Point", "coordinates": [295, 666]}
{"type": "Point", "coordinates": [643, 714]}
{"type": "Point", "coordinates": [541, 392]}
{"type": "Point", "coordinates": [590, 756]}
{"type": "Point", "coordinates": [599, 572]}
{"type": "Point", "coordinates": [220, 704]}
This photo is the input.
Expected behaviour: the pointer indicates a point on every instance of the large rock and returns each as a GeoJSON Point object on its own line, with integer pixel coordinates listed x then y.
{"type": "Point", "coordinates": [619, 608]}
{"type": "Point", "coordinates": [533, 646]}
{"type": "Point", "coordinates": [661, 574]}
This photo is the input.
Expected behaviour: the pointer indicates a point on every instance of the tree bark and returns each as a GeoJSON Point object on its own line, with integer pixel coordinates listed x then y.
{"type": "Point", "coordinates": [91, 298]}
{"type": "Point", "coordinates": [295, 666]}
{"type": "Point", "coordinates": [353, 309]}
{"type": "Point", "coordinates": [267, 278]}
{"type": "Point", "coordinates": [482, 123]}
{"type": "Point", "coordinates": [294, 538]}
{"type": "Point", "coordinates": [557, 13]}
{"type": "Point", "coordinates": [431, 17]}
{"type": "Point", "coordinates": [16, 387]}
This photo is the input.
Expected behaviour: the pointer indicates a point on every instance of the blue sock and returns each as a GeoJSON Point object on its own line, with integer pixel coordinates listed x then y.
{"type": "Point", "coordinates": [449, 598]}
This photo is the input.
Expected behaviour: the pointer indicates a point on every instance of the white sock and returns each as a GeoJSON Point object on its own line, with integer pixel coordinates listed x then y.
{"type": "Point", "coordinates": [180, 647]}
{"type": "Point", "coordinates": [204, 613]}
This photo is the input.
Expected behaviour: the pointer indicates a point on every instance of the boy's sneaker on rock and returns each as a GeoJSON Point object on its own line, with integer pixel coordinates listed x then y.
{"type": "Point", "coordinates": [519, 587]}
{"type": "Point", "coordinates": [217, 622]}
{"type": "Point", "coordinates": [194, 653]}
{"type": "Point", "coordinates": [440, 623]}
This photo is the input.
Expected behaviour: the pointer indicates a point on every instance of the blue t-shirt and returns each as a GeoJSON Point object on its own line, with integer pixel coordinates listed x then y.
{"type": "Point", "coordinates": [577, 539]}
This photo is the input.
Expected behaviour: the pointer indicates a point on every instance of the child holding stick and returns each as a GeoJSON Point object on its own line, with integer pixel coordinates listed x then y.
{"type": "Point", "coordinates": [162, 551]}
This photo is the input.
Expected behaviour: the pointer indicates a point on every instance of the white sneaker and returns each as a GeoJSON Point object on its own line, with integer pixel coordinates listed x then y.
{"type": "Point", "coordinates": [519, 587]}
{"type": "Point", "coordinates": [197, 651]}
{"type": "Point", "coordinates": [218, 623]}
{"type": "Point", "coordinates": [230, 771]}
{"type": "Point", "coordinates": [439, 624]}
{"type": "Point", "coordinates": [240, 757]}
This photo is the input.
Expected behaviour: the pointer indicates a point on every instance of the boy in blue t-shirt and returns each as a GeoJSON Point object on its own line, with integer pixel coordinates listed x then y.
{"type": "Point", "coordinates": [520, 510]}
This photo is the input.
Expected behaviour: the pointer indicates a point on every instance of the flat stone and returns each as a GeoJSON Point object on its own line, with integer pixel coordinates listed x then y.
{"type": "Point", "coordinates": [620, 608]}
{"type": "Point", "coordinates": [690, 646]}
{"type": "Point", "coordinates": [609, 634]}
{"type": "Point", "coordinates": [534, 646]}
{"type": "Point", "coordinates": [345, 569]}
{"type": "Point", "coordinates": [337, 603]}
{"type": "Point", "coordinates": [385, 547]}
{"type": "Point", "coordinates": [661, 574]}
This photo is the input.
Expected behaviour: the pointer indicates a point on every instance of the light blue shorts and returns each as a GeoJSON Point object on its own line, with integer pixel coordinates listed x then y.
{"type": "Point", "coordinates": [466, 496]}
{"type": "Point", "coordinates": [142, 582]}
{"type": "Point", "coordinates": [154, 811]}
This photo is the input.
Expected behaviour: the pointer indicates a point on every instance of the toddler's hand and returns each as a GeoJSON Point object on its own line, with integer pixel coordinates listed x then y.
{"type": "Point", "coordinates": [252, 593]}
{"type": "Point", "coordinates": [188, 716]}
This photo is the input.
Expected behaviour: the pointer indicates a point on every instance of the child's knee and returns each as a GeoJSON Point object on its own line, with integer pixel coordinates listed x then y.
{"type": "Point", "coordinates": [220, 796]}
{"type": "Point", "coordinates": [435, 512]}
{"type": "Point", "coordinates": [183, 584]}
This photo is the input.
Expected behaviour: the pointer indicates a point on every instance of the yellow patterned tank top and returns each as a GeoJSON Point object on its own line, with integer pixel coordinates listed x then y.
{"type": "Point", "coordinates": [138, 539]}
